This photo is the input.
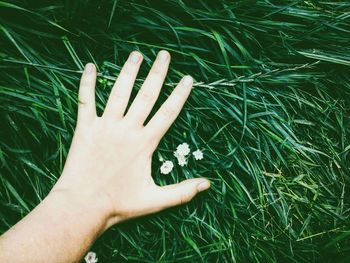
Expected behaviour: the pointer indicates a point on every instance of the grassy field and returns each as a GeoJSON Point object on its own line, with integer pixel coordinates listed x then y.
{"type": "Point", "coordinates": [270, 109]}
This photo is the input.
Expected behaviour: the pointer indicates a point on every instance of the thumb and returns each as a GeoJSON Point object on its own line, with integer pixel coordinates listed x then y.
{"type": "Point", "coordinates": [183, 192]}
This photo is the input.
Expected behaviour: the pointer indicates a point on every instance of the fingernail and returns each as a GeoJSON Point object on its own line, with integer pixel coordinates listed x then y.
{"type": "Point", "coordinates": [163, 56]}
{"type": "Point", "coordinates": [187, 81]}
{"type": "Point", "coordinates": [135, 57]}
{"type": "Point", "coordinates": [203, 186]}
{"type": "Point", "coordinates": [89, 67]}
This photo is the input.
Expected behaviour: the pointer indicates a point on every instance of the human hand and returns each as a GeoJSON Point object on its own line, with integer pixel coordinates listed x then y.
{"type": "Point", "coordinates": [109, 162]}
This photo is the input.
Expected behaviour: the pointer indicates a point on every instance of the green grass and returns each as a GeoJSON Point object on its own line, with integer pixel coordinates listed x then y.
{"type": "Point", "coordinates": [270, 108]}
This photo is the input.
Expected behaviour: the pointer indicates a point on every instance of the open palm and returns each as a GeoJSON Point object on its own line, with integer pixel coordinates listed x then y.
{"type": "Point", "coordinates": [110, 157]}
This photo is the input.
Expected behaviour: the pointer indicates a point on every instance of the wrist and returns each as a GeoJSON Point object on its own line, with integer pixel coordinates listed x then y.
{"type": "Point", "coordinates": [92, 206]}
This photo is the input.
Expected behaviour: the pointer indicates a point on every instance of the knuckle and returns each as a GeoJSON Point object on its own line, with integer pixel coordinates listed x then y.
{"type": "Point", "coordinates": [185, 198]}
{"type": "Point", "coordinates": [157, 70]}
{"type": "Point", "coordinates": [86, 79]}
{"type": "Point", "coordinates": [85, 82]}
{"type": "Point", "coordinates": [146, 95]}
{"type": "Point", "coordinates": [168, 112]}
{"type": "Point", "coordinates": [81, 100]}
{"type": "Point", "coordinates": [178, 99]}
{"type": "Point", "coordinates": [128, 69]}
{"type": "Point", "coordinates": [117, 96]}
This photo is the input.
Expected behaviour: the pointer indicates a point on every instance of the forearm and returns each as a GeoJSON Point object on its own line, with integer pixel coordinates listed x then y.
{"type": "Point", "coordinates": [60, 229]}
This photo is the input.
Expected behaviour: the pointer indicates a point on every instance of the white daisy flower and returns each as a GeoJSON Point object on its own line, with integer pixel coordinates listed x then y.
{"type": "Point", "coordinates": [198, 155]}
{"type": "Point", "coordinates": [183, 149]}
{"type": "Point", "coordinates": [181, 160]}
{"type": "Point", "coordinates": [91, 257]}
{"type": "Point", "coordinates": [166, 167]}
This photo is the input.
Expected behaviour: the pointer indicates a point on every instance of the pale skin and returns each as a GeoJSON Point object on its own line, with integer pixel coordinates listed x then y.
{"type": "Point", "coordinates": [107, 175]}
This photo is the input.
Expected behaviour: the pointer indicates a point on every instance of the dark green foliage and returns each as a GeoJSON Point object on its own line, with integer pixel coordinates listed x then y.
{"type": "Point", "coordinates": [270, 108]}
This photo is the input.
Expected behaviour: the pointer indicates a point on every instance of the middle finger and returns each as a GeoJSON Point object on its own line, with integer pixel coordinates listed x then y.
{"type": "Point", "coordinates": [149, 91]}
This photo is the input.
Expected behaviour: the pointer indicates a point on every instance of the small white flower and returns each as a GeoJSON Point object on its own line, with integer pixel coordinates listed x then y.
{"type": "Point", "coordinates": [198, 155]}
{"type": "Point", "coordinates": [91, 257]}
{"type": "Point", "coordinates": [166, 167]}
{"type": "Point", "coordinates": [183, 149]}
{"type": "Point", "coordinates": [181, 160]}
